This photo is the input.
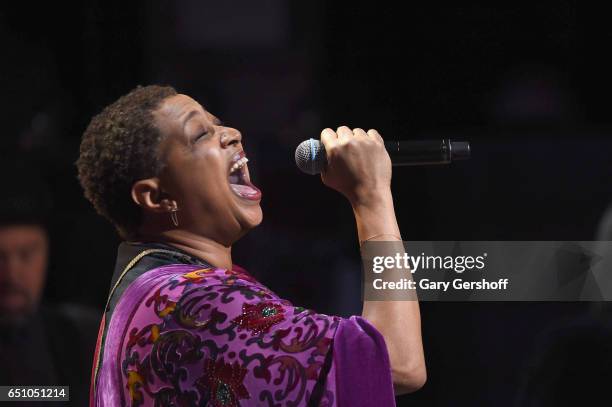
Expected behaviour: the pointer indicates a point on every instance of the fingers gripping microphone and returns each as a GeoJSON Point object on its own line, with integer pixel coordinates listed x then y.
{"type": "Point", "coordinates": [310, 155]}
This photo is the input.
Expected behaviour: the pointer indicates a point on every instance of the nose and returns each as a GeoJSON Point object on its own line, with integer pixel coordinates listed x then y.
{"type": "Point", "coordinates": [230, 136]}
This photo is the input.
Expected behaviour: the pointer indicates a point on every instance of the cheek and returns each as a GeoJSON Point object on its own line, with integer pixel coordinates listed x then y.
{"type": "Point", "coordinates": [203, 175]}
{"type": "Point", "coordinates": [34, 274]}
{"type": "Point", "coordinates": [37, 267]}
{"type": "Point", "coordinates": [204, 193]}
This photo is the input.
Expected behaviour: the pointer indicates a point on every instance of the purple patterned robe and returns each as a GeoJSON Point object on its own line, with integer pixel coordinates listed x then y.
{"type": "Point", "coordinates": [184, 335]}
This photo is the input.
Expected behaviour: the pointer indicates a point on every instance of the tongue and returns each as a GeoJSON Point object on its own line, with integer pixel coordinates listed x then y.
{"type": "Point", "coordinates": [245, 191]}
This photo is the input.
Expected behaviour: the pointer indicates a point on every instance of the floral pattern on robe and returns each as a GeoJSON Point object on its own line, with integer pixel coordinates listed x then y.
{"type": "Point", "coordinates": [183, 335]}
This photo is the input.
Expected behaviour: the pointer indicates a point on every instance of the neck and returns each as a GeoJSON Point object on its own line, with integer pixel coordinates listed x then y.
{"type": "Point", "coordinates": [204, 248]}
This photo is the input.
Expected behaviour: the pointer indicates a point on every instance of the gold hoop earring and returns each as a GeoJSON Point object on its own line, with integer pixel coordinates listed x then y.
{"type": "Point", "coordinates": [173, 216]}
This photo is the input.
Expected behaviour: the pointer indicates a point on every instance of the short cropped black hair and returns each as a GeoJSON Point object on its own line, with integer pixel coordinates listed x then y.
{"type": "Point", "coordinates": [118, 148]}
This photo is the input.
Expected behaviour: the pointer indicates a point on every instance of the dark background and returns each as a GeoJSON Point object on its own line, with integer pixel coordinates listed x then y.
{"type": "Point", "coordinates": [528, 85]}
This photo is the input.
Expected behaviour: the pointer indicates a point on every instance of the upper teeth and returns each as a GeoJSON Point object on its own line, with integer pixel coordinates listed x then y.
{"type": "Point", "coordinates": [239, 164]}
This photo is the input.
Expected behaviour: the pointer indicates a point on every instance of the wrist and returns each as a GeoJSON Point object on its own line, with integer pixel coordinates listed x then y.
{"type": "Point", "coordinates": [375, 215]}
{"type": "Point", "coordinates": [372, 200]}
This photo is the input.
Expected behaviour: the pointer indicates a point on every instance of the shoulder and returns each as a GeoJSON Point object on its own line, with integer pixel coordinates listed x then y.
{"type": "Point", "coordinates": [191, 297]}
{"type": "Point", "coordinates": [195, 297]}
{"type": "Point", "coordinates": [203, 327]}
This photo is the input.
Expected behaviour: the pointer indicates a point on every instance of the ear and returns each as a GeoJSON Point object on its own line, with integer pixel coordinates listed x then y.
{"type": "Point", "coordinates": [147, 194]}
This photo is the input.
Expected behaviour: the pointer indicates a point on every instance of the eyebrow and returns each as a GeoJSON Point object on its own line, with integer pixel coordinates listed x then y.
{"type": "Point", "coordinates": [189, 116]}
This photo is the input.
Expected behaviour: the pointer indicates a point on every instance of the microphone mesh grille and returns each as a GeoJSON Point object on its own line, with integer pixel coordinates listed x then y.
{"type": "Point", "coordinates": [310, 156]}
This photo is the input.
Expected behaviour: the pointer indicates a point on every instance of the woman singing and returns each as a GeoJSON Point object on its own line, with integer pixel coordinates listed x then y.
{"type": "Point", "coordinates": [183, 325]}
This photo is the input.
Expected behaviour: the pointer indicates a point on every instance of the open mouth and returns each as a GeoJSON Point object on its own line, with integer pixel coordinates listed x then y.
{"type": "Point", "coordinates": [239, 179]}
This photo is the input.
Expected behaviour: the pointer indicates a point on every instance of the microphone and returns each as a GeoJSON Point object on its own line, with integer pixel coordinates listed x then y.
{"type": "Point", "coordinates": [310, 155]}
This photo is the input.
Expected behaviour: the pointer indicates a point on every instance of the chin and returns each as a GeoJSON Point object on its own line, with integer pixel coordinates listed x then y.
{"type": "Point", "coordinates": [253, 218]}
{"type": "Point", "coordinates": [250, 218]}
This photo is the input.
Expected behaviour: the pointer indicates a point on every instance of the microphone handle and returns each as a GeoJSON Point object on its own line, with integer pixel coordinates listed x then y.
{"type": "Point", "coordinates": [422, 152]}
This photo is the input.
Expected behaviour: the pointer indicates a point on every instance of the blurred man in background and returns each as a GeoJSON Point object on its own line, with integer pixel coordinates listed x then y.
{"type": "Point", "coordinates": [40, 344]}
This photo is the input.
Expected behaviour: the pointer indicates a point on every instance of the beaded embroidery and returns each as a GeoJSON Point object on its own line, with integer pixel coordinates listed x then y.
{"type": "Point", "coordinates": [259, 317]}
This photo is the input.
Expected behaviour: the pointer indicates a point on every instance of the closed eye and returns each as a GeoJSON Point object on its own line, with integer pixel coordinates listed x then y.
{"type": "Point", "coordinates": [201, 135]}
